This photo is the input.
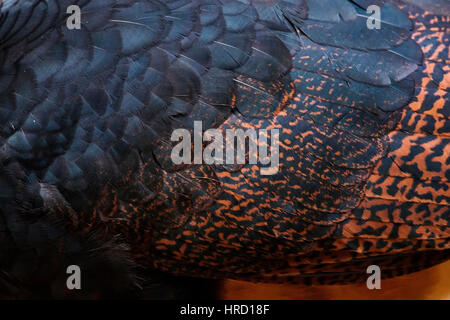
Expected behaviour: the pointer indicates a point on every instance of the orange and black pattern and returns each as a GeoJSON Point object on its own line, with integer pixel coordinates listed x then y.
{"type": "Point", "coordinates": [86, 118]}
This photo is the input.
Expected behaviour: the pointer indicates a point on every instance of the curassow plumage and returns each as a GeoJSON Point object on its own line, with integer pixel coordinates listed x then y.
{"type": "Point", "coordinates": [86, 117]}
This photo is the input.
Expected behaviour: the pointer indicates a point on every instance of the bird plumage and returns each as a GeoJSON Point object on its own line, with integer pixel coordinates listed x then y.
{"type": "Point", "coordinates": [86, 117]}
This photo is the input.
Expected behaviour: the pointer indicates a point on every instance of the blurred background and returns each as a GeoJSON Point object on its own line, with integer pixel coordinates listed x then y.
{"type": "Point", "coordinates": [430, 284]}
